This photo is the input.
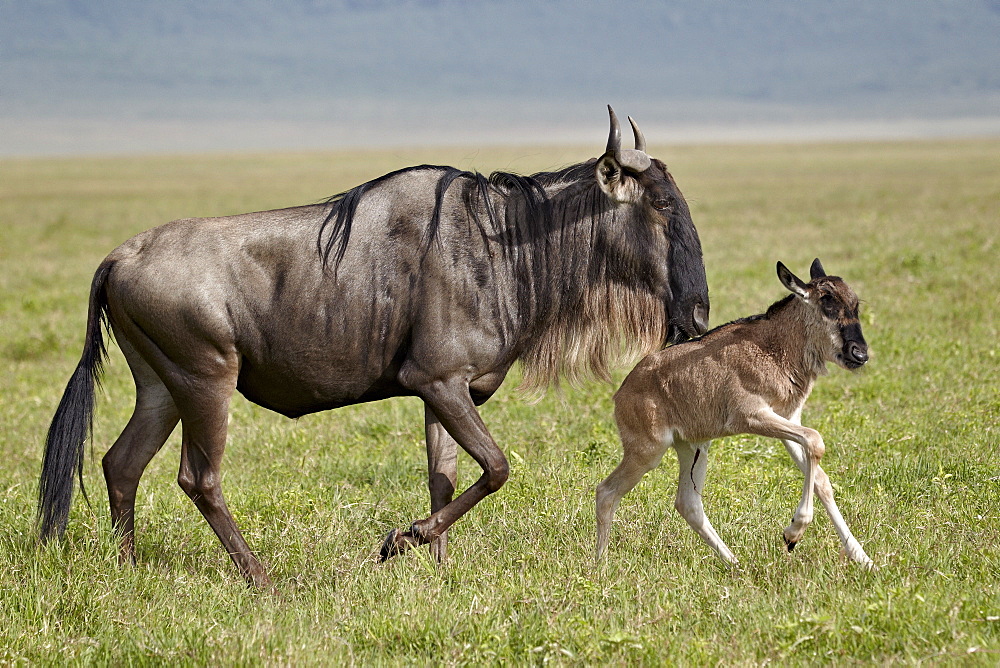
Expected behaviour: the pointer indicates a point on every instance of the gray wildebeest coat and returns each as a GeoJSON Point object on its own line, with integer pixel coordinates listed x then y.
{"type": "Point", "coordinates": [428, 282]}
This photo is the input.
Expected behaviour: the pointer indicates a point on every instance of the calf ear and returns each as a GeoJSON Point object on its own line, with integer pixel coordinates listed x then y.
{"type": "Point", "coordinates": [792, 282]}
{"type": "Point", "coordinates": [816, 270]}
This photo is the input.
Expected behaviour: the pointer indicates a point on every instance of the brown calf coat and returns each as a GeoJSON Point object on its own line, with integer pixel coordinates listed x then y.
{"type": "Point", "coordinates": [751, 376]}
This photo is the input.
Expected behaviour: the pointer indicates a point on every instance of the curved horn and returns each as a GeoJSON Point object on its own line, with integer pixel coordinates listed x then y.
{"type": "Point", "coordinates": [615, 136]}
{"type": "Point", "coordinates": [634, 159]}
{"type": "Point", "coordinates": [640, 141]}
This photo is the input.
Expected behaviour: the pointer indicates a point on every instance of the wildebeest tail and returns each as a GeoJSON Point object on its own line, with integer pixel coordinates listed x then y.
{"type": "Point", "coordinates": [73, 422]}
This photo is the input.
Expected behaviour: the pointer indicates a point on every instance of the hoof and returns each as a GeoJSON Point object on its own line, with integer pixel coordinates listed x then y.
{"type": "Point", "coordinates": [790, 544]}
{"type": "Point", "coordinates": [862, 559]}
{"type": "Point", "coordinates": [396, 542]}
{"type": "Point", "coordinates": [390, 546]}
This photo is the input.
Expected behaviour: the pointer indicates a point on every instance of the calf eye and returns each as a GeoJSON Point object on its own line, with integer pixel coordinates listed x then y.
{"type": "Point", "coordinates": [663, 203]}
{"type": "Point", "coordinates": [829, 305]}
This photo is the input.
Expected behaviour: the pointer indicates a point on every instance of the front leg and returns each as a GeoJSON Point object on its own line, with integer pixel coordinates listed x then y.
{"type": "Point", "coordinates": [768, 423]}
{"type": "Point", "coordinates": [442, 474]}
{"type": "Point", "coordinates": [824, 490]}
{"type": "Point", "coordinates": [451, 402]}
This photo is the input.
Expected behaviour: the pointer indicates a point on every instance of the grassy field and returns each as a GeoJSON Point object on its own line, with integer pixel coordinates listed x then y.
{"type": "Point", "coordinates": [912, 447]}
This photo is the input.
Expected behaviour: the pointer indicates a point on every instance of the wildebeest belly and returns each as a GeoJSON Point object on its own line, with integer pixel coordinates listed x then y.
{"type": "Point", "coordinates": [294, 362]}
{"type": "Point", "coordinates": [293, 392]}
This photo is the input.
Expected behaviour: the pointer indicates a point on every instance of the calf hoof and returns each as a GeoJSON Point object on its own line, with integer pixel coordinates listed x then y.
{"type": "Point", "coordinates": [859, 558]}
{"type": "Point", "coordinates": [790, 544]}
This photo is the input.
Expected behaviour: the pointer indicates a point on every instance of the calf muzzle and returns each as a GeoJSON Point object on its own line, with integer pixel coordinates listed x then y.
{"type": "Point", "coordinates": [855, 354]}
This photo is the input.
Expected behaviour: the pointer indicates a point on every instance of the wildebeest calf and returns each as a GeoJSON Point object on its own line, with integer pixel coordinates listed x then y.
{"type": "Point", "coordinates": [751, 376]}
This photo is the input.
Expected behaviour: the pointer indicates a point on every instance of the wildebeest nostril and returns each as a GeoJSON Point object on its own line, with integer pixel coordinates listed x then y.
{"type": "Point", "coordinates": [858, 352]}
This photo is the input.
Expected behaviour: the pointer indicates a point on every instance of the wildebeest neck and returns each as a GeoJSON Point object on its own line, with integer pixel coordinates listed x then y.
{"type": "Point", "coordinates": [574, 281]}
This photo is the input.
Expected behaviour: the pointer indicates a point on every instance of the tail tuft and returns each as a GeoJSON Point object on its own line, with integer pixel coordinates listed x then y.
{"type": "Point", "coordinates": [72, 423]}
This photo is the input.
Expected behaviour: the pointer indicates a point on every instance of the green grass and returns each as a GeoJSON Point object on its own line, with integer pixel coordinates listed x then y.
{"type": "Point", "coordinates": [912, 447]}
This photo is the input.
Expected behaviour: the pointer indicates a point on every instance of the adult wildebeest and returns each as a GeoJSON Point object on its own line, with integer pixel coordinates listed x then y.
{"type": "Point", "coordinates": [428, 282]}
{"type": "Point", "coordinates": [751, 376]}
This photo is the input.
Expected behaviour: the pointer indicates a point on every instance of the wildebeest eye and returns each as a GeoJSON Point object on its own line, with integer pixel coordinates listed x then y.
{"type": "Point", "coordinates": [663, 203]}
{"type": "Point", "coordinates": [829, 305]}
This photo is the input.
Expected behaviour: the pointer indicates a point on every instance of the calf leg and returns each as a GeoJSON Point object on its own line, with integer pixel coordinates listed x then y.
{"type": "Point", "coordinates": [770, 424]}
{"type": "Point", "coordinates": [824, 490]}
{"type": "Point", "coordinates": [692, 461]}
{"type": "Point", "coordinates": [641, 454]}
{"type": "Point", "coordinates": [442, 474]}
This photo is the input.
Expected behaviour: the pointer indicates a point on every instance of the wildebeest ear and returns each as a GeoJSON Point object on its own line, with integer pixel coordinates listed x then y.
{"type": "Point", "coordinates": [816, 270]}
{"type": "Point", "coordinates": [609, 176]}
{"type": "Point", "coordinates": [792, 282]}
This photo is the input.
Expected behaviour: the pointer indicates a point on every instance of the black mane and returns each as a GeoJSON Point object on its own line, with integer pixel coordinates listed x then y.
{"type": "Point", "coordinates": [533, 202]}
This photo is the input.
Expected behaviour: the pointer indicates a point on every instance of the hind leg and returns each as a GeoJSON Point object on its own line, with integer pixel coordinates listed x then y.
{"type": "Point", "coordinates": [442, 474]}
{"type": "Point", "coordinates": [204, 411]}
{"type": "Point", "coordinates": [692, 464]}
{"type": "Point", "coordinates": [641, 453]}
{"type": "Point", "coordinates": [154, 417]}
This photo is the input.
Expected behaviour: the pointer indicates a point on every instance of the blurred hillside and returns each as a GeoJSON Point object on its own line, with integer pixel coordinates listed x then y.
{"type": "Point", "coordinates": [419, 66]}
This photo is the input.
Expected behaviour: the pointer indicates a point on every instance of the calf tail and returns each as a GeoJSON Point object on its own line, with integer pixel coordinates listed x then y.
{"type": "Point", "coordinates": [73, 421]}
